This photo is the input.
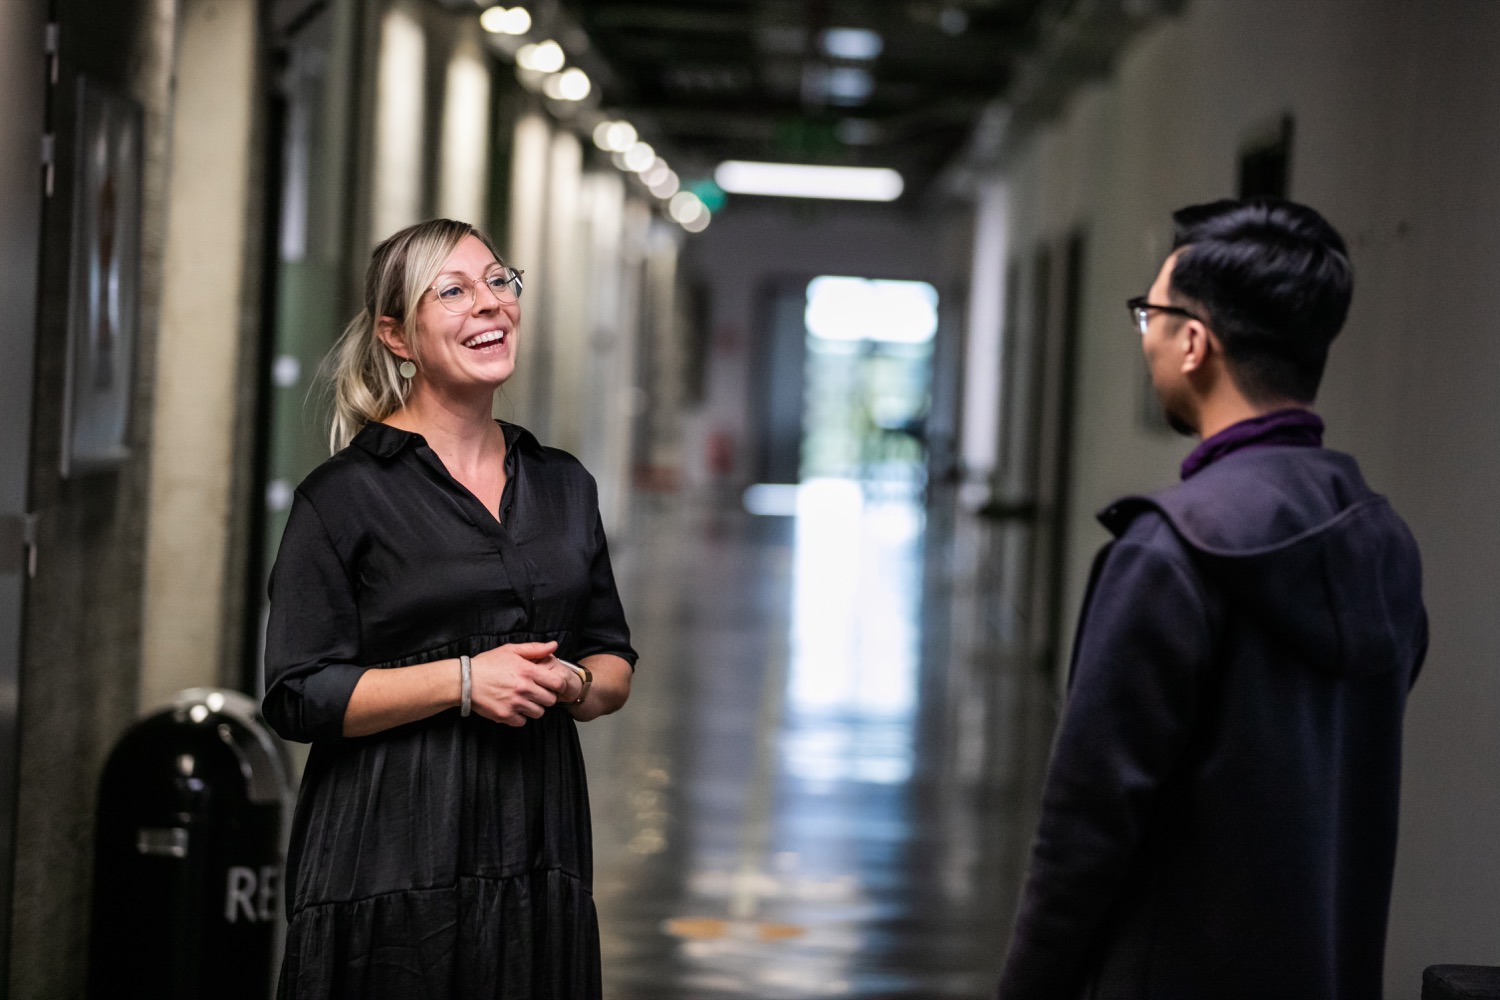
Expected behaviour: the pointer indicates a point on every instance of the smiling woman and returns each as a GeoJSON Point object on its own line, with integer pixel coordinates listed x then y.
{"type": "Point", "coordinates": [443, 612]}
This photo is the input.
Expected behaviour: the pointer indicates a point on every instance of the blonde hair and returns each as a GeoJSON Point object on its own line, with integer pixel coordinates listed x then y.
{"type": "Point", "coordinates": [366, 382]}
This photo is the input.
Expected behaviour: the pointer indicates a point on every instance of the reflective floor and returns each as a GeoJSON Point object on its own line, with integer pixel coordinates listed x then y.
{"type": "Point", "coordinates": [823, 784]}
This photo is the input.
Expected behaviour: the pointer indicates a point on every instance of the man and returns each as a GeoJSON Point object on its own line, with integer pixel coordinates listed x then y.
{"type": "Point", "coordinates": [1219, 819]}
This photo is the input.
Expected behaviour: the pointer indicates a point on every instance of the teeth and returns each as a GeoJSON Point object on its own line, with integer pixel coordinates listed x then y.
{"type": "Point", "coordinates": [485, 339]}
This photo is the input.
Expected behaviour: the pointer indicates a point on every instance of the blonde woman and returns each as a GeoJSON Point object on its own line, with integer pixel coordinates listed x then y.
{"type": "Point", "coordinates": [442, 612]}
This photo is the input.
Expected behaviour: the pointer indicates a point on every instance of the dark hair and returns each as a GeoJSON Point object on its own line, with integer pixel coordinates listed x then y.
{"type": "Point", "coordinates": [1275, 280]}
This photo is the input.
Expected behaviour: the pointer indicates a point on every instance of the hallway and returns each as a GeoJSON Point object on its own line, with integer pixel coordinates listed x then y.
{"type": "Point", "coordinates": [822, 783]}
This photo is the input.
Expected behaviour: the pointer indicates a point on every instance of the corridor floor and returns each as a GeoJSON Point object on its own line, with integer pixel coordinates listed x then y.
{"type": "Point", "coordinates": [824, 782]}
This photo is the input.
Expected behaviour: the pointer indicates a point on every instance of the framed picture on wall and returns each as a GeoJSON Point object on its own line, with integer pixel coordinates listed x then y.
{"type": "Point", "coordinates": [103, 280]}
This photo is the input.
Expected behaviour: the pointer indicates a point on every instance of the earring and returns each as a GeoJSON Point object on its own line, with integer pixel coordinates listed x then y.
{"type": "Point", "coordinates": [408, 369]}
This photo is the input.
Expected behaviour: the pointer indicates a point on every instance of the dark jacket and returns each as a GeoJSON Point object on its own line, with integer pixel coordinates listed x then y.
{"type": "Point", "coordinates": [1219, 819]}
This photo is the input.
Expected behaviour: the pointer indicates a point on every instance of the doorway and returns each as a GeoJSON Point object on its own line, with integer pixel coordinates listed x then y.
{"type": "Point", "coordinates": [868, 379]}
{"type": "Point", "coordinates": [844, 373]}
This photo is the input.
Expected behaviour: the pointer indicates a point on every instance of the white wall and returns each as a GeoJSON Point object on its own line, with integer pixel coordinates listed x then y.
{"type": "Point", "coordinates": [1395, 107]}
{"type": "Point", "coordinates": [400, 103]}
{"type": "Point", "coordinates": [980, 438]}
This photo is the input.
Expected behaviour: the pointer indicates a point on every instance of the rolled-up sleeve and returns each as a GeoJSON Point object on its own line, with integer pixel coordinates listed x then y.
{"type": "Point", "coordinates": [605, 630]}
{"type": "Point", "coordinates": [312, 635]}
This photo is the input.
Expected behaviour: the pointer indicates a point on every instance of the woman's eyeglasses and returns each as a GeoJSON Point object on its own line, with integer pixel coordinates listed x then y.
{"type": "Point", "coordinates": [456, 291]}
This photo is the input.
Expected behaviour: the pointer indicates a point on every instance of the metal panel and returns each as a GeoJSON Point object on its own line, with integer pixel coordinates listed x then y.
{"type": "Point", "coordinates": [23, 74]}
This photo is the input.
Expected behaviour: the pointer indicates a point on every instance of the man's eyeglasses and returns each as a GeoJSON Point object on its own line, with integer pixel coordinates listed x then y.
{"type": "Point", "coordinates": [1140, 312]}
{"type": "Point", "coordinates": [456, 291]}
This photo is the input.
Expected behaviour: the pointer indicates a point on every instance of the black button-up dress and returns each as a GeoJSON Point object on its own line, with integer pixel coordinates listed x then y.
{"type": "Point", "coordinates": [449, 857]}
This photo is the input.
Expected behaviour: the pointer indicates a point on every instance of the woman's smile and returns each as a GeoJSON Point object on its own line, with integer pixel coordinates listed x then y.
{"type": "Point", "coordinates": [487, 339]}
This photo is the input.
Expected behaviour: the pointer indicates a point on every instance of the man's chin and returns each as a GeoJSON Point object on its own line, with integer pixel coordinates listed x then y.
{"type": "Point", "coordinates": [1180, 425]}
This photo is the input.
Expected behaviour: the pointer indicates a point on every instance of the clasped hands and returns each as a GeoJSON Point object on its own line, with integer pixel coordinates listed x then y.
{"type": "Point", "coordinates": [520, 681]}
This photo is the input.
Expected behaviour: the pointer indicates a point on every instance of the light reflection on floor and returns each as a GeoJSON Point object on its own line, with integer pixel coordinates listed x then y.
{"type": "Point", "coordinates": [807, 795]}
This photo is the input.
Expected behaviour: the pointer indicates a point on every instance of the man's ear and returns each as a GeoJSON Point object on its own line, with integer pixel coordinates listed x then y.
{"type": "Point", "coordinates": [392, 336]}
{"type": "Point", "coordinates": [1198, 344]}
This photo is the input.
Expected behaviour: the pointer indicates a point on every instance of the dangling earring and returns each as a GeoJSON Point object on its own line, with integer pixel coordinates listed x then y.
{"type": "Point", "coordinates": [408, 369]}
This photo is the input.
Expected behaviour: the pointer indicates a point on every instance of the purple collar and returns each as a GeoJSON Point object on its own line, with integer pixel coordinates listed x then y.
{"type": "Point", "coordinates": [1295, 427]}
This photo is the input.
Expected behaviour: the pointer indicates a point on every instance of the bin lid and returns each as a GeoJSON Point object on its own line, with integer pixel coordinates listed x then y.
{"type": "Point", "coordinates": [261, 758]}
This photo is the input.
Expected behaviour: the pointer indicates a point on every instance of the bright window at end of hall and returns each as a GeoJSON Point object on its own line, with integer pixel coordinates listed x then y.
{"type": "Point", "coordinates": [855, 309]}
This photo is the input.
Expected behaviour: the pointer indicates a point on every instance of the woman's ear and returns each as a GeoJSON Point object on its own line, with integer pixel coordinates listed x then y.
{"type": "Point", "coordinates": [393, 337]}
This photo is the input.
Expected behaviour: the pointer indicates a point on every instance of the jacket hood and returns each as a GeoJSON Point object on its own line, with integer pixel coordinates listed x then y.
{"type": "Point", "coordinates": [1295, 536]}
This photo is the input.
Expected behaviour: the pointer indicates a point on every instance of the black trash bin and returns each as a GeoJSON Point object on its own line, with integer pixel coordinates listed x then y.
{"type": "Point", "coordinates": [188, 854]}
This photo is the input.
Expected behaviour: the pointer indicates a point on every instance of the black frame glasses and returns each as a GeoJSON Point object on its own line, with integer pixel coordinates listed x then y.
{"type": "Point", "coordinates": [455, 292]}
{"type": "Point", "coordinates": [1140, 312]}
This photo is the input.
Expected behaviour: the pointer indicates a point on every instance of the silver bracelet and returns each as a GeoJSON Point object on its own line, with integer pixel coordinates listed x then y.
{"type": "Point", "coordinates": [465, 703]}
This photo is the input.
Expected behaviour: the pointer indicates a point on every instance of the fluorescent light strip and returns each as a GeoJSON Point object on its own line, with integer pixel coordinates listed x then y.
{"type": "Point", "coordinates": [791, 180]}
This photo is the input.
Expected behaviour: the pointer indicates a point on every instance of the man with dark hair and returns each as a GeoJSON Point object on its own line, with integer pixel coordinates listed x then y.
{"type": "Point", "coordinates": [1219, 819]}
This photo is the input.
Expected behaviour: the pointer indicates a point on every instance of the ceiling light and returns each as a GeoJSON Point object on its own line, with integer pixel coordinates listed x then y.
{"type": "Point", "coordinates": [639, 157]}
{"type": "Point", "coordinates": [614, 137]}
{"type": "Point", "coordinates": [851, 43]}
{"type": "Point", "coordinates": [848, 85]}
{"type": "Point", "coordinates": [685, 207]}
{"type": "Point", "coordinates": [569, 85]}
{"type": "Point", "coordinates": [491, 20]}
{"type": "Point", "coordinates": [666, 187]}
{"type": "Point", "coordinates": [544, 57]}
{"type": "Point", "coordinates": [516, 21]}
{"type": "Point", "coordinates": [622, 136]}
{"type": "Point", "coordinates": [791, 180]}
{"type": "Point", "coordinates": [655, 173]}
{"type": "Point", "coordinates": [575, 84]}
{"type": "Point", "coordinates": [499, 21]}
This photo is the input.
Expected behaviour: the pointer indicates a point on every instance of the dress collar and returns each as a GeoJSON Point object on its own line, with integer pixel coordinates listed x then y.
{"type": "Point", "coordinates": [383, 441]}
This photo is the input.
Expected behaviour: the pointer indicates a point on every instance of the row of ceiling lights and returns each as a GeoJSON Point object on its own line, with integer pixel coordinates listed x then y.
{"type": "Point", "coordinates": [542, 64]}
{"type": "Point", "coordinates": [629, 153]}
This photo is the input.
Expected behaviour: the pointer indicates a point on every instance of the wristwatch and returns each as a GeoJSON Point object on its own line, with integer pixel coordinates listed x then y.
{"type": "Point", "coordinates": [585, 676]}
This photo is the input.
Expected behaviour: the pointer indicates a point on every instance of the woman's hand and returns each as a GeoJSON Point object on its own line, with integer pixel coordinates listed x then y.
{"type": "Point", "coordinates": [520, 681]}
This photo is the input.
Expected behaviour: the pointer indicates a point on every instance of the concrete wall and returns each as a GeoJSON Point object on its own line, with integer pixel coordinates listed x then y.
{"type": "Point", "coordinates": [205, 377]}
{"type": "Point", "coordinates": [81, 654]}
{"type": "Point", "coordinates": [1392, 105]}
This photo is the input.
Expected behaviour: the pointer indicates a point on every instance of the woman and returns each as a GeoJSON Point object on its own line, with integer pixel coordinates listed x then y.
{"type": "Point", "coordinates": [442, 611]}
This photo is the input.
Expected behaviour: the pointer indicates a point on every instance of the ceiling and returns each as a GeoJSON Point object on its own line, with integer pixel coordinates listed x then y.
{"type": "Point", "coordinates": [783, 80]}
{"type": "Point", "coordinates": [766, 80]}
{"type": "Point", "coordinates": [934, 89]}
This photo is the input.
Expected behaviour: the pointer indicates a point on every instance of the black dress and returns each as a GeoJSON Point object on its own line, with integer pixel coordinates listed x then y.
{"type": "Point", "coordinates": [449, 857]}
